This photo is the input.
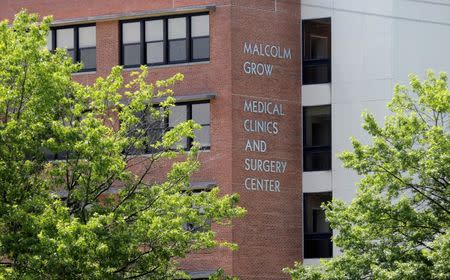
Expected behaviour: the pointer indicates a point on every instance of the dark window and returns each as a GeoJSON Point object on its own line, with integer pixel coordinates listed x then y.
{"type": "Point", "coordinates": [316, 51]}
{"type": "Point", "coordinates": [317, 138]}
{"type": "Point", "coordinates": [165, 40]}
{"type": "Point", "coordinates": [205, 224]}
{"type": "Point", "coordinates": [49, 155]}
{"type": "Point", "coordinates": [79, 42]}
{"type": "Point", "coordinates": [317, 232]}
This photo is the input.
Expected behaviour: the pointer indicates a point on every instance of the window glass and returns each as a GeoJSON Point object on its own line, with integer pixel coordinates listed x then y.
{"type": "Point", "coordinates": [319, 47]}
{"type": "Point", "coordinates": [65, 38]}
{"type": "Point", "coordinates": [155, 52]}
{"type": "Point", "coordinates": [154, 30]}
{"type": "Point", "coordinates": [132, 54]}
{"type": "Point", "coordinates": [203, 136]}
{"type": "Point", "coordinates": [88, 58]}
{"type": "Point", "coordinates": [317, 126]}
{"type": "Point", "coordinates": [177, 50]}
{"type": "Point", "coordinates": [200, 48]}
{"type": "Point", "coordinates": [86, 42]}
{"type": "Point", "coordinates": [317, 231]}
{"type": "Point", "coordinates": [49, 41]}
{"type": "Point", "coordinates": [317, 138]}
{"type": "Point", "coordinates": [316, 74]}
{"type": "Point", "coordinates": [131, 32]}
{"type": "Point", "coordinates": [317, 43]}
{"type": "Point", "coordinates": [200, 26]}
{"type": "Point", "coordinates": [86, 37]}
{"type": "Point", "coordinates": [177, 28]}
{"type": "Point", "coordinates": [178, 115]}
{"type": "Point", "coordinates": [154, 36]}
{"type": "Point", "coordinates": [200, 113]}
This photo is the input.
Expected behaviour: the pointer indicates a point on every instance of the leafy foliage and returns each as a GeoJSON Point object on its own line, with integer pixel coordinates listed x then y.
{"type": "Point", "coordinates": [397, 227]}
{"type": "Point", "coordinates": [88, 216]}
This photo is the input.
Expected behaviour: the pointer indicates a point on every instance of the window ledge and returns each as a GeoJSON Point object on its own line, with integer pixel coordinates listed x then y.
{"type": "Point", "coordinates": [317, 171]}
{"type": "Point", "coordinates": [313, 261]}
{"type": "Point", "coordinates": [148, 155]}
{"type": "Point", "coordinates": [167, 65]}
{"type": "Point", "coordinates": [84, 73]}
{"type": "Point", "coordinates": [200, 274]}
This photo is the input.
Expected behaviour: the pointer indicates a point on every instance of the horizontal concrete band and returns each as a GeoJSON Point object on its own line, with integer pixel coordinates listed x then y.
{"type": "Point", "coordinates": [188, 98]}
{"type": "Point", "coordinates": [133, 15]}
{"type": "Point", "coordinates": [207, 185]}
{"type": "Point", "coordinates": [200, 274]}
{"type": "Point", "coordinates": [202, 185]}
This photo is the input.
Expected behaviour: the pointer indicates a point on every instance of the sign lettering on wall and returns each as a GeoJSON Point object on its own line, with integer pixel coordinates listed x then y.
{"type": "Point", "coordinates": [266, 50]}
{"type": "Point", "coordinates": [258, 146]}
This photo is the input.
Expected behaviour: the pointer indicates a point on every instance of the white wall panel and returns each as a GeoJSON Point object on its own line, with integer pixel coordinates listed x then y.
{"type": "Point", "coordinates": [375, 44]}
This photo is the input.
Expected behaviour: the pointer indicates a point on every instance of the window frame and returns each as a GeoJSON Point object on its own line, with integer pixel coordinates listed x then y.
{"type": "Point", "coordinates": [315, 62]}
{"type": "Point", "coordinates": [76, 42]}
{"type": "Point", "coordinates": [166, 52]}
{"type": "Point", "coordinates": [312, 149]}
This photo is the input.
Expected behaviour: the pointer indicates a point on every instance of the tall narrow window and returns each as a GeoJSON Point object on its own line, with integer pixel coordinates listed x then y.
{"type": "Point", "coordinates": [316, 51]}
{"type": "Point", "coordinates": [154, 40]}
{"type": "Point", "coordinates": [131, 39]}
{"type": "Point", "coordinates": [200, 37]}
{"type": "Point", "coordinates": [317, 138]}
{"type": "Point", "coordinates": [317, 231]}
{"type": "Point", "coordinates": [177, 40]}
{"type": "Point", "coordinates": [87, 47]}
{"type": "Point", "coordinates": [165, 40]}
{"type": "Point", "coordinates": [79, 42]}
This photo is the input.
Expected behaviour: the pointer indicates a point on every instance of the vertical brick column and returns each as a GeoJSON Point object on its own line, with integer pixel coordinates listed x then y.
{"type": "Point", "coordinates": [107, 46]}
{"type": "Point", "coordinates": [267, 136]}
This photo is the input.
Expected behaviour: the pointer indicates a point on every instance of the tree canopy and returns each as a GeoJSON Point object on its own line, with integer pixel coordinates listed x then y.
{"type": "Point", "coordinates": [397, 227]}
{"type": "Point", "coordinates": [87, 214]}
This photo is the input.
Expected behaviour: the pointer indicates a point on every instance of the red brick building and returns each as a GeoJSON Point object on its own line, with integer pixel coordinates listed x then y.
{"type": "Point", "coordinates": [241, 60]}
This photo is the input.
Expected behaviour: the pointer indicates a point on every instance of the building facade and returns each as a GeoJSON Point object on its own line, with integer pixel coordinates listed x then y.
{"type": "Point", "coordinates": [278, 87]}
{"type": "Point", "coordinates": [241, 62]}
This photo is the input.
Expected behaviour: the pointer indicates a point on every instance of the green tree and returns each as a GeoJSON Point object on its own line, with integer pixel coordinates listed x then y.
{"type": "Point", "coordinates": [397, 227]}
{"type": "Point", "coordinates": [87, 215]}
